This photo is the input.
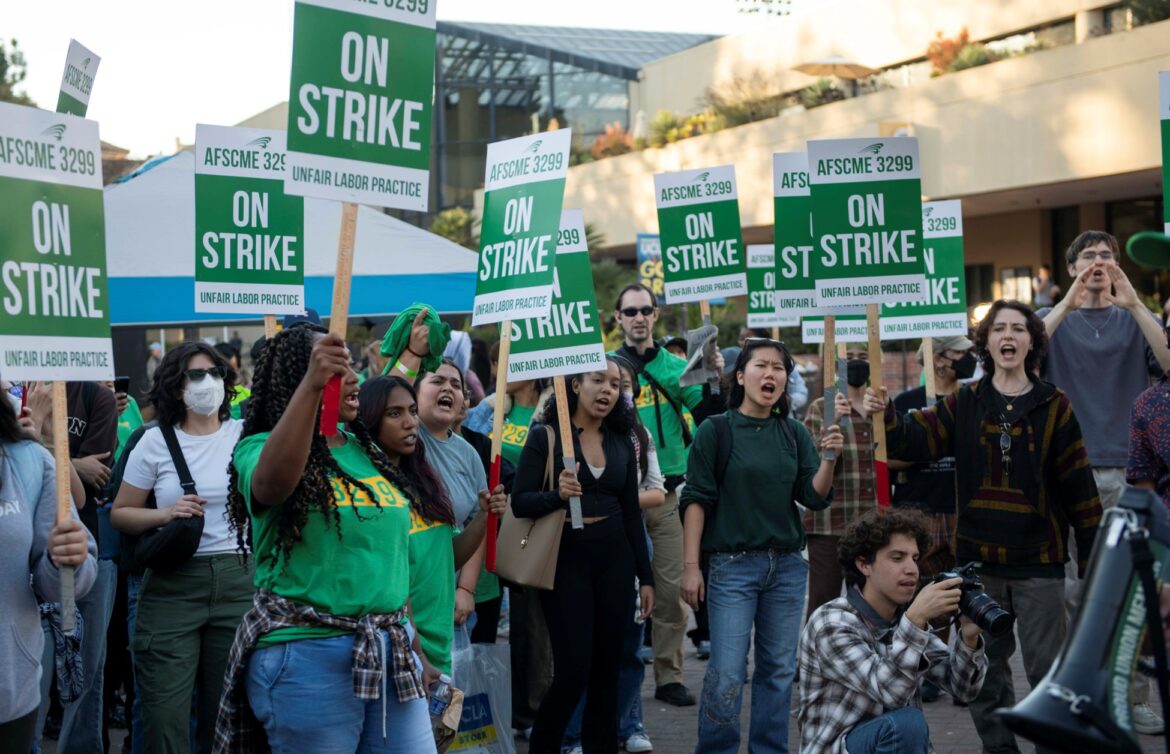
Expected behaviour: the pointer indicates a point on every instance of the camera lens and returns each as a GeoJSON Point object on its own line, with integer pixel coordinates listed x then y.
{"type": "Point", "coordinates": [986, 613]}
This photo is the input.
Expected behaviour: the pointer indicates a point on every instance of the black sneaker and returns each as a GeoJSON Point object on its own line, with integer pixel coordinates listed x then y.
{"type": "Point", "coordinates": [676, 694]}
{"type": "Point", "coordinates": [930, 692]}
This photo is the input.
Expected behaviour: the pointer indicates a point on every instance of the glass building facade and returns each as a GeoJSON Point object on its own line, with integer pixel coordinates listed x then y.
{"type": "Point", "coordinates": [499, 81]}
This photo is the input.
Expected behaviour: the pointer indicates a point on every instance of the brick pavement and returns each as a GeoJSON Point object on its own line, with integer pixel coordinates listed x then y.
{"type": "Point", "coordinates": [673, 730]}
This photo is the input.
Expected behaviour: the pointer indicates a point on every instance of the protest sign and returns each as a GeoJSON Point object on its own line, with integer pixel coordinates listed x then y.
{"type": "Point", "coordinates": [649, 251]}
{"type": "Point", "coordinates": [847, 328]}
{"type": "Point", "coordinates": [702, 244]}
{"type": "Point", "coordinates": [359, 115]}
{"type": "Point", "coordinates": [249, 234]}
{"type": "Point", "coordinates": [568, 339]}
{"type": "Point", "coordinates": [944, 313]}
{"type": "Point", "coordinates": [761, 274]}
{"type": "Point", "coordinates": [523, 191]}
{"type": "Point", "coordinates": [793, 236]}
{"type": "Point", "coordinates": [56, 323]}
{"type": "Point", "coordinates": [77, 82]}
{"type": "Point", "coordinates": [1164, 109]}
{"type": "Point", "coordinates": [867, 221]}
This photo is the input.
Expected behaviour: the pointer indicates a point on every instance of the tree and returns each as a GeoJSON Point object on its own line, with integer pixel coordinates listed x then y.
{"type": "Point", "coordinates": [770, 7]}
{"type": "Point", "coordinates": [458, 225]}
{"type": "Point", "coordinates": [12, 72]}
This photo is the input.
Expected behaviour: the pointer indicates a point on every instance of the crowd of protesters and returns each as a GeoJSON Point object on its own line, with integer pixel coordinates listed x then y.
{"type": "Point", "coordinates": [312, 582]}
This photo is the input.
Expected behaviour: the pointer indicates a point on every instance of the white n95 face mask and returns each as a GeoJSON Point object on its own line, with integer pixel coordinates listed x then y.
{"type": "Point", "coordinates": [205, 396]}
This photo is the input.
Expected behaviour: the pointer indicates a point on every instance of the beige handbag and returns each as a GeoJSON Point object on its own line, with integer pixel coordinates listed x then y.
{"type": "Point", "coordinates": [527, 548]}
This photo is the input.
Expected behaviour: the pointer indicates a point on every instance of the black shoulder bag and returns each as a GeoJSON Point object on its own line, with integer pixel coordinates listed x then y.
{"type": "Point", "coordinates": [171, 545]}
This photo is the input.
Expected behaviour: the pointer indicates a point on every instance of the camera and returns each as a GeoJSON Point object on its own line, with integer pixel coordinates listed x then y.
{"type": "Point", "coordinates": [975, 604]}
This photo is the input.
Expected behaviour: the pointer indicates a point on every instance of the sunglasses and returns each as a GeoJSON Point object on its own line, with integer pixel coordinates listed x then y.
{"type": "Point", "coordinates": [633, 311]}
{"type": "Point", "coordinates": [763, 341]}
{"type": "Point", "coordinates": [197, 375]}
{"type": "Point", "coordinates": [1005, 447]}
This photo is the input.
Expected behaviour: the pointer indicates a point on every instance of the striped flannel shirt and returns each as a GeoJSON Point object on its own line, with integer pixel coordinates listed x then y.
{"type": "Point", "coordinates": [854, 476]}
{"type": "Point", "coordinates": [237, 731]}
{"type": "Point", "coordinates": [855, 666]}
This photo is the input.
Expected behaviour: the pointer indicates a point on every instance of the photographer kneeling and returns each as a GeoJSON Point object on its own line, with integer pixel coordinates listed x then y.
{"type": "Point", "coordinates": [862, 656]}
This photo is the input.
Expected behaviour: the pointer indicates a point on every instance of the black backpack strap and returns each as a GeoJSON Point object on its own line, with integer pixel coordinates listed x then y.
{"type": "Point", "coordinates": [723, 442]}
{"type": "Point", "coordinates": [656, 386]}
{"type": "Point", "coordinates": [185, 480]}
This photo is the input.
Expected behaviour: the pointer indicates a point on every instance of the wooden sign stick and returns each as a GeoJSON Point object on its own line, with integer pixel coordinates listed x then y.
{"type": "Point", "coordinates": [705, 311]}
{"type": "Point", "coordinates": [568, 452]}
{"type": "Point", "coordinates": [880, 452]}
{"type": "Point", "coordinates": [269, 326]}
{"type": "Point", "coordinates": [64, 500]}
{"type": "Point", "coordinates": [498, 436]}
{"type": "Point", "coordinates": [928, 369]}
{"type": "Point", "coordinates": [339, 314]}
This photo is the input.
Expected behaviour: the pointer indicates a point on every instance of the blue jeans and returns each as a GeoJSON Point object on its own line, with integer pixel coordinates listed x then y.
{"type": "Point", "coordinates": [900, 731]}
{"type": "Point", "coordinates": [765, 588]}
{"type": "Point", "coordinates": [81, 724]}
{"type": "Point", "coordinates": [633, 672]}
{"type": "Point", "coordinates": [302, 693]}
{"type": "Point", "coordinates": [133, 589]}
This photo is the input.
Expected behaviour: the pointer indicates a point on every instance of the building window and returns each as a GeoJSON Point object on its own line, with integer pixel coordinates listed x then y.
{"type": "Point", "coordinates": [980, 283]}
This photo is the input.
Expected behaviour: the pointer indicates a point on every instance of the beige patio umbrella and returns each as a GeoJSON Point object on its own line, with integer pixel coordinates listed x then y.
{"type": "Point", "coordinates": [836, 65]}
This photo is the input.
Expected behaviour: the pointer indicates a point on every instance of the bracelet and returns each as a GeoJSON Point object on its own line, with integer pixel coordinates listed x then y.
{"type": "Point", "coordinates": [412, 353]}
{"type": "Point", "coordinates": [411, 373]}
{"type": "Point", "coordinates": [465, 589]}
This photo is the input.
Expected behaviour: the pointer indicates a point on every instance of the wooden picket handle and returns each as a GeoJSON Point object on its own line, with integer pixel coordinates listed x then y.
{"type": "Point", "coordinates": [928, 369]}
{"type": "Point", "coordinates": [568, 451]}
{"type": "Point", "coordinates": [269, 326]}
{"type": "Point", "coordinates": [64, 499]}
{"type": "Point", "coordinates": [881, 461]}
{"type": "Point", "coordinates": [498, 437]}
{"type": "Point", "coordinates": [339, 314]}
{"type": "Point", "coordinates": [705, 313]}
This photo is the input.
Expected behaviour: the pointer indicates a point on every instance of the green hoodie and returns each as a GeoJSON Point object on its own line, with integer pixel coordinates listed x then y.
{"type": "Point", "coordinates": [659, 417]}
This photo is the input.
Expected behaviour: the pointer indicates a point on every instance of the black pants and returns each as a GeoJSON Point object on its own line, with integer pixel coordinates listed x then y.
{"type": "Point", "coordinates": [587, 612]}
{"type": "Point", "coordinates": [18, 735]}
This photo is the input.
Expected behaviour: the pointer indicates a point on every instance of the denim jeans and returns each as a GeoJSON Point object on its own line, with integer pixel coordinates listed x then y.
{"type": "Point", "coordinates": [633, 672]}
{"type": "Point", "coordinates": [302, 693]}
{"type": "Point", "coordinates": [900, 731]}
{"type": "Point", "coordinates": [81, 724]}
{"type": "Point", "coordinates": [765, 588]}
{"type": "Point", "coordinates": [133, 589]}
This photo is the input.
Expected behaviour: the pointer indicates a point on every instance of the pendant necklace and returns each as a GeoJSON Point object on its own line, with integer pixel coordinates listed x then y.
{"type": "Point", "coordinates": [1097, 330]}
{"type": "Point", "coordinates": [1009, 397]}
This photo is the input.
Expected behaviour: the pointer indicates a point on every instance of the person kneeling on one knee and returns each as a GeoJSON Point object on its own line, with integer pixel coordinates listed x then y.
{"type": "Point", "coordinates": [862, 656]}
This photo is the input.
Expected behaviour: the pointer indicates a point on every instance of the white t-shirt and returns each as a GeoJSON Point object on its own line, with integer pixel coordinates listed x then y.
{"type": "Point", "coordinates": [150, 468]}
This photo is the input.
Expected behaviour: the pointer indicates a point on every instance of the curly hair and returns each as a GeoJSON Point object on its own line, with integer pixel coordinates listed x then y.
{"type": "Point", "coordinates": [413, 475]}
{"type": "Point", "coordinates": [619, 420]}
{"type": "Point", "coordinates": [1035, 327]}
{"type": "Point", "coordinates": [873, 531]}
{"type": "Point", "coordinates": [282, 366]}
{"type": "Point", "coordinates": [166, 394]}
{"type": "Point", "coordinates": [735, 395]}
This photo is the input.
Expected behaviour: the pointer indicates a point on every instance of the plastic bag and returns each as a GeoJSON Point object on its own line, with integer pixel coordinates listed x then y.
{"type": "Point", "coordinates": [483, 672]}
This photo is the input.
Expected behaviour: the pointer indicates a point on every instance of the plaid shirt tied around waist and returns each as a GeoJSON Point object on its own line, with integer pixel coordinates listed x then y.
{"type": "Point", "coordinates": [237, 731]}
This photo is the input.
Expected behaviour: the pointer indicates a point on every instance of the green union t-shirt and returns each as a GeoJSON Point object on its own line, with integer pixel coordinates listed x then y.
{"type": "Point", "coordinates": [432, 588]}
{"type": "Point", "coordinates": [364, 571]}
{"type": "Point", "coordinates": [515, 432]}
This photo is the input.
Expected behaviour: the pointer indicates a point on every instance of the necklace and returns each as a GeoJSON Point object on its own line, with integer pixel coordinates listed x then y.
{"type": "Point", "coordinates": [1009, 397]}
{"type": "Point", "coordinates": [1097, 330]}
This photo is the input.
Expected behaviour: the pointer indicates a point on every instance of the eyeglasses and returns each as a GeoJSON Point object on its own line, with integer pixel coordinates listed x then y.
{"type": "Point", "coordinates": [1005, 447]}
{"type": "Point", "coordinates": [197, 375]}
{"type": "Point", "coordinates": [633, 311]}
{"type": "Point", "coordinates": [1089, 256]}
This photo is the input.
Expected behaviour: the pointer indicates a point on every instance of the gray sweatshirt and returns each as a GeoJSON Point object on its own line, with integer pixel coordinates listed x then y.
{"type": "Point", "coordinates": [27, 515]}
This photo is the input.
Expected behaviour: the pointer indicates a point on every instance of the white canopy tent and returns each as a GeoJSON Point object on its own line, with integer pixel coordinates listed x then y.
{"type": "Point", "coordinates": [150, 253]}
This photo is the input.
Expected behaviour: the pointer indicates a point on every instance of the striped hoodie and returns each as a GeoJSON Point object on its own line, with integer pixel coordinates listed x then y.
{"type": "Point", "coordinates": [1015, 524]}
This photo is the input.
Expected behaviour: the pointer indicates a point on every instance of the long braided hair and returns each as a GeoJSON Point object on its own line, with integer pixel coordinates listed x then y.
{"type": "Point", "coordinates": [413, 475]}
{"type": "Point", "coordinates": [281, 367]}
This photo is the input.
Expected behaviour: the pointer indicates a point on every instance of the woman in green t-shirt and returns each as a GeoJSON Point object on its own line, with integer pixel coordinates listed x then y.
{"type": "Point", "coordinates": [325, 659]}
{"type": "Point", "coordinates": [388, 409]}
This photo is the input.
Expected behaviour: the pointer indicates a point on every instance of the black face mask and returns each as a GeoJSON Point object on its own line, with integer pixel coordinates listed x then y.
{"type": "Point", "coordinates": [964, 366]}
{"type": "Point", "coordinates": [857, 372]}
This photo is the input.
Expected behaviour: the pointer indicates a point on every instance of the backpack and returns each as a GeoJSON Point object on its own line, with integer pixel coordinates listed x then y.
{"type": "Point", "coordinates": [723, 442]}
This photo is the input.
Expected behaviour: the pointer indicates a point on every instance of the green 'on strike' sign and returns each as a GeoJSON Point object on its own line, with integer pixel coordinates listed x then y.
{"type": "Point", "coordinates": [867, 221]}
{"type": "Point", "coordinates": [77, 82]}
{"type": "Point", "coordinates": [359, 106]}
{"type": "Point", "coordinates": [53, 289]}
{"type": "Point", "coordinates": [249, 234]}
{"type": "Point", "coordinates": [524, 187]}
{"type": "Point", "coordinates": [702, 243]}
{"type": "Point", "coordinates": [1164, 109]}
{"type": "Point", "coordinates": [944, 312]}
{"type": "Point", "coordinates": [568, 339]}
